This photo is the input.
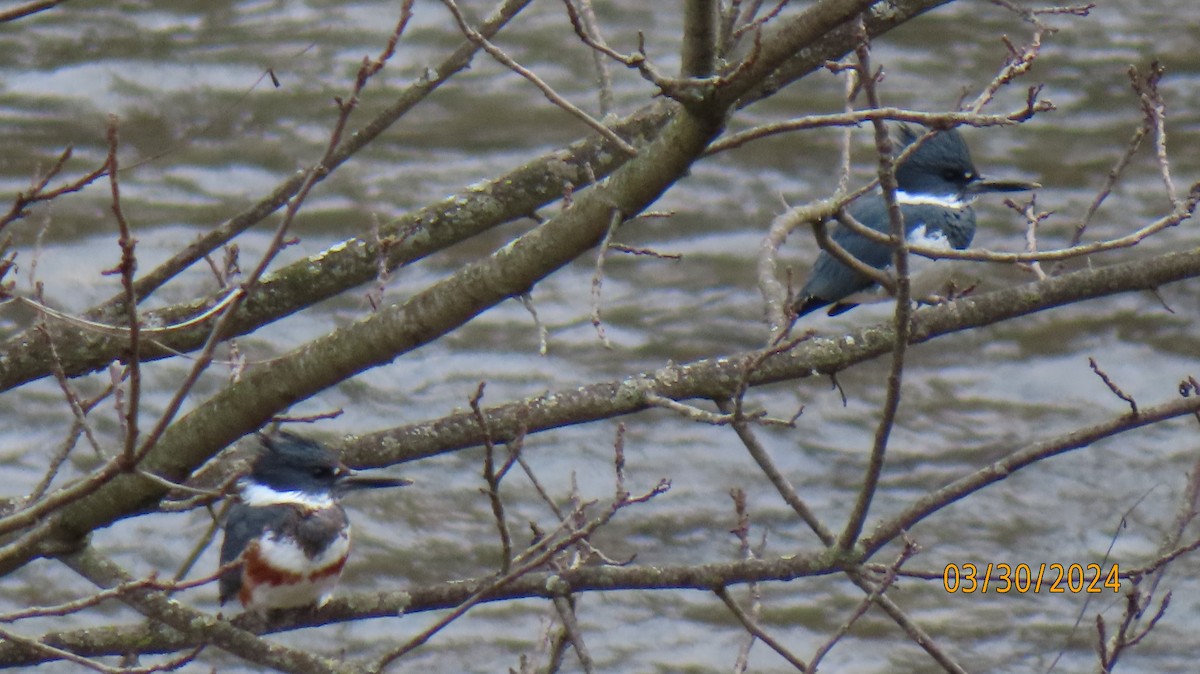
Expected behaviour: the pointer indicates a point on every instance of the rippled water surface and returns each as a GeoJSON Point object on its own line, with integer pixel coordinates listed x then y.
{"type": "Point", "coordinates": [204, 134]}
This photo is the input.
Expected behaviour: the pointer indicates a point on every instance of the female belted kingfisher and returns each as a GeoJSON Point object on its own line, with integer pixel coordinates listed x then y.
{"type": "Point", "coordinates": [288, 527]}
{"type": "Point", "coordinates": [937, 184]}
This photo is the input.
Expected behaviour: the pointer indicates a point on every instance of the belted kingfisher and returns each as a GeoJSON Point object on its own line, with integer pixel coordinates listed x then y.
{"type": "Point", "coordinates": [936, 186]}
{"type": "Point", "coordinates": [288, 527]}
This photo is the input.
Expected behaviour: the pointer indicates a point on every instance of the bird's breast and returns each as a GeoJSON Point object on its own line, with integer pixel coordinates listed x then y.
{"type": "Point", "coordinates": [929, 237]}
{"type": "Point", "coordinates": [278, 572]}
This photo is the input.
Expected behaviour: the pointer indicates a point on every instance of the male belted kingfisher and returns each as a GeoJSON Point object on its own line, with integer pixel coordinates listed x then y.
{"type": "Point", "coordinates": [288, 526]}
{"type": "Point", "coordinates": [936, 186]}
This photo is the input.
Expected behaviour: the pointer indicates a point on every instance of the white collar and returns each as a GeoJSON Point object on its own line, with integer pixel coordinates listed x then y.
{"type": "Point", "coordinates": [944, 200]}
{"type": "Point", "coordinates": [255, 494]}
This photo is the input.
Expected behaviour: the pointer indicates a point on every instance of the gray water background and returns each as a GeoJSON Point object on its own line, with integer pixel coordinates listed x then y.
{"type": "Point", "coordinates": [186, 78]}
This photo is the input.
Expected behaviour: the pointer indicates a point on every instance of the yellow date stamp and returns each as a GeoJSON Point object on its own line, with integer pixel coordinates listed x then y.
{"type": "Point", "coordinates": [1002, 578]}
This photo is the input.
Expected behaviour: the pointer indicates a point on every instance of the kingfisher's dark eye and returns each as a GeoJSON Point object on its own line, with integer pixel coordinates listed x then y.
{"type": "Point", "coordinates": [323, 472]}
{"type": "Point", "coordinates": [954, 175]}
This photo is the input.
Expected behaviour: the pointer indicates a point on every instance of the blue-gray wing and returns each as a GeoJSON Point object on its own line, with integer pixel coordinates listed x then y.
{"type": "Point", "coordinates": [830, 281]}
{"type": "Point", "coordinates": [243, 525]}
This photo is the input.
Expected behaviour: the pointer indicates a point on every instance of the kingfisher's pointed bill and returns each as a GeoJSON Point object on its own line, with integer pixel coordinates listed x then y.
{"type": "Point", "coordinates": [353, 480]}
{"type": "Point", "coordinates": [985, 184]}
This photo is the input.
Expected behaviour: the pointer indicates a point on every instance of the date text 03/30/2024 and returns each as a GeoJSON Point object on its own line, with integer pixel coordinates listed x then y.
{"type": "Point", "coordinates": [1003, 578]}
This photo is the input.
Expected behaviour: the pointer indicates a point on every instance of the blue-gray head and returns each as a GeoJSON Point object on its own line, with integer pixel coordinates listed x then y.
{"type": "Point", "coordinates": [290, 462]}
{"type": "Point", "coordinates": [942, 167]}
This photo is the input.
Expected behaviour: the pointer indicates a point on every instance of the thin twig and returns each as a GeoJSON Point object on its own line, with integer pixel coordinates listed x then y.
{"type": "Point", "coordinates": [205, 539]}
{"type": "Point", "coordinates": [751, 22]}
{"type": "Point", "coordinates": [37, 191]}
{"type": "Point", "coordinates": [753, 627]}
{"type": "Point", "coordinates": [1155, 111]}
{"type": "Point", "coordinates": [126, 268]}
{"type": "Point", "coordinates": [782, 485]}
{"type": "Point", "coordinates": [688, 411]}
{"type": "Point", "coordinates": [598, 277]}
{"type": "Point", "coordinates": [917, 634]}
{"type": "Point", "coordinates": [775, 297]}
{"type": "Point", "coordinates": [537, 555]}
{"type": "Point", "coordinates": [585, 15]}
{"type": "Point", "coordinates": [493, 477]}
{"type": "Point", "coordinates": [901, 322]}
{"type": "Point", "coordinates": [852, 88]}
{"type": "Point", "coordinates": [729, 12]}
{"type": "Point", "coordinates": [543, 334]}
{"type": "Point", "coordinates": [123, 331]}
{"type": "Point", "coordinates": [547, 91]}
{"type": "Point", "coordinates": [22, 11]}
{"type": "Point", "coordinates": [877, 588]}
{"type": "Point", "coordinates": [565, 606]}
{"type": "Point", "coordinates": [1033, 218]}
{"type": "Point", "coordinates": [79, 409]}
{"type": "Point", "coordinates": [1112, 386]}
{"type": "Point", "coordinates": [1110, 181]}
{"type": "Point", "coordinates": [856, 118]}
{"type": "Point", "coordinates": [1019, 62]}
{"type": "Point", "coordinates": [746, 551]}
